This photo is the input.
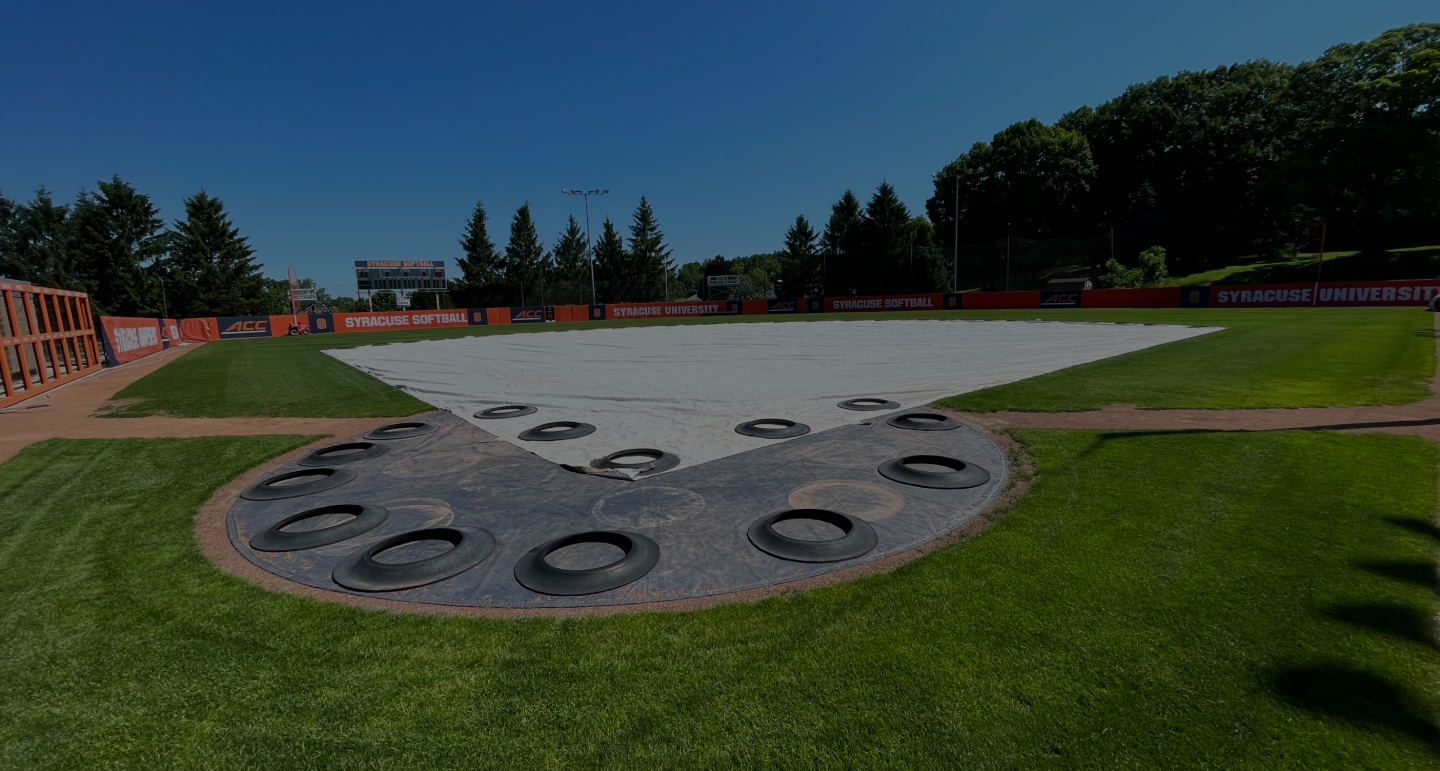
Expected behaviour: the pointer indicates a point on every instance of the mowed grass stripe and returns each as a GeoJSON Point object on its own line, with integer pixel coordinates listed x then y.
{"type": "Point", "coordinates": [1159, 600]}
{"type": "Point", "coordinates": [1303, 357]}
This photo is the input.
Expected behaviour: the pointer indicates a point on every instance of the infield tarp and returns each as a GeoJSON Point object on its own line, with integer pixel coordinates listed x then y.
{"type": "Point", "coordinates": [683, 389]}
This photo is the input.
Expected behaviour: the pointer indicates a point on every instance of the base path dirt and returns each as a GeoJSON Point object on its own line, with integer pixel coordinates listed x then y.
{"type": "Point", "coordinates": [69, 411]}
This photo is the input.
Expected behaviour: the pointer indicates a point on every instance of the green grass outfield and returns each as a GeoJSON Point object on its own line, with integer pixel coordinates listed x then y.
{"type": "Point", "coordinates": [1158, 600]}
{"type": "Point", "coordinates": [1303, 357]}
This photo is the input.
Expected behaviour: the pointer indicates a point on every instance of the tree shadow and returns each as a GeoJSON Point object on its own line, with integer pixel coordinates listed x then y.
{"type": "Point", "coordinates": [1411, 571]}
{"type": "Point", "coordinates": [1418, 526]}
{"type": "Point", "coordinates": [1356, 696]}
{"type": "Point", "coordinates": [1399, 621]}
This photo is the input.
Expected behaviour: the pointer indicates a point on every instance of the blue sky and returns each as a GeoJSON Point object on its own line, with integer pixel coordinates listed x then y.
{"type": "Point", "coordinates": [368, 130]}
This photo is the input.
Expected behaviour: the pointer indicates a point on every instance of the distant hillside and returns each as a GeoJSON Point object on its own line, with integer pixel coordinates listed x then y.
{"type": "Point", "coordinates": [1419, 262]}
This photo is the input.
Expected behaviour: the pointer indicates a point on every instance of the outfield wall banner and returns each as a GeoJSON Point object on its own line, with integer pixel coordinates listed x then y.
{"type": "Point", "coordinates": [1195, 297]}
{"type": "Point", "coordinates": [1148, 297]}
{"type": "Point", "coordinates": [128, 339]}
{"type": "Point", "coordinates": [597, 313]}
{"type": "Point", "coordinates": [787, 305]}
{"type": "Point", "coordinates": [381, 321]}
{"type": "Point", "coordinates": [954, 302]}
{"type": "Point", "coordinates": [170, 332]}
{"type": "Point", "coordinates": [1060, 298]}
{"type": "Point", "coordinates": [198, 330]}
{"type": "Point", "coordinates": [1331, 295]}
{"type": "Point", "coordinates": [232, 327]}
{"type": "Point", "coordinates": [527, 314]}
{"type": "Point", "coordinates": [476, 317]}
{"type": "Point", "coordinates": [892, 302]}
{"type": "Point", "coordinates": [322, 323]}
{"type": "Point", "coordinates": [673, 310]}
{"type": "Point", "coordinates": [815, 304]}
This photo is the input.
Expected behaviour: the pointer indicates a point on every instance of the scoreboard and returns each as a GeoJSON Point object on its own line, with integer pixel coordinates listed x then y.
{"type": "Point", "coordinates": [400, 275]}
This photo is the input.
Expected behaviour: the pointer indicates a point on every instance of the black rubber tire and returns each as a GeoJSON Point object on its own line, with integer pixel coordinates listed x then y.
{"type": "Point", "coordinates": [327, 456]}
{"type": "Point", "coordinates": [573, 430]}
{"type": "Point", "coordinates": [924, 421]}
{"type": "Point", "coordinates": [367, 518]}
{"type": "Point", "coordinates": [361, 572]}
{"type": "Point", "coordinates": [961, 476]}
{"type": "Point", "coordinates": [505, 411]}
{"type": "Point", "coordinates": [1434, 306]}
{"type": "Point", "coordinates": [868, 405]}
{"type": "Point", "coordinates": [659, 461]}
{"type": "Point", "coordinates": [790, 429]}
{"type": "Point", "coordinates": [859, 538]}
{"type": "Point", "coordinates": [265, 491]}
{"type": "Point", "coordinates": [405, 429]}
{"type": "Point", "coordinates": [537, 575]}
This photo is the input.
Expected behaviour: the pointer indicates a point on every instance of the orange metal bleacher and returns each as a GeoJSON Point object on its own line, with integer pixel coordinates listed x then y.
{"type": "Point", "coordinates": [47, 338]}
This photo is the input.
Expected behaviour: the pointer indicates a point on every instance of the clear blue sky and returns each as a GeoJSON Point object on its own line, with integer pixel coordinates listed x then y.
{"type": "Point", "coordinates": [368, 130]}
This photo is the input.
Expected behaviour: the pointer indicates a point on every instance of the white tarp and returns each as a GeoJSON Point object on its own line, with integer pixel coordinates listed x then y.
{"type": "Point", "coordinates": [683, 389]}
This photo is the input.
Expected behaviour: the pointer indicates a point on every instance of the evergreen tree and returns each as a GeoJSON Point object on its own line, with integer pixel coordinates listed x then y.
{"type": "Point", "coordinates": [839, 244]}
{"type": "Point", "coordinates": [35, 240]}
{"type": "Point", "coordinates": [571, 258]}
{"type": "Point", "coordinates": [800, 268]}
{"type": "Point", "coordinates": [119, 241]}
{"type": "Point", "coordinates": [525, 257]}
{"type": "Point", "coordinates": [610, 265]}
{"type": "Point", "coordinates": [649, 257]}
{"type": "Point", "coordinates": [211, 269]}
{"type": "Point", "coordinates": [882, 265]}
{"type": "Point", "coordinates": [480, 265]}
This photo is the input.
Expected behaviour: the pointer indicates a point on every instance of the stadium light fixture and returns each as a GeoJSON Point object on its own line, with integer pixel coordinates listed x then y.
{"type": "Point", "coordinates": [588, 247]}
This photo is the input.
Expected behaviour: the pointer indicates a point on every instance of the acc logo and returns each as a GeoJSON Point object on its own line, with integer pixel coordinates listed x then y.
{"type": "Point", "coordinates": [239, 327]}
{"type": "Point", "coordinates": [528, 315]}
{"type": "Point", "coordinates": [1061, 299]}
{"type": "Point", "coordinates": [782, 306]}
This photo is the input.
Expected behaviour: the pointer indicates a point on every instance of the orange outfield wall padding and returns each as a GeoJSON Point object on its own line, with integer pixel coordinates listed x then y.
{"type": "Point", "coordinates": [562, 314]}
{"type": "Point", "coordinates": [199, 330]}
{"type": "Point", "coordinates": [1000, 300]}
{"type": "Point", "coordinates": [495, 316]}
{"type": "Point", "coordinates": [755, 308]}
{"type": "Point", "coordinates": [579, 312]}
{"type": "Point", "coordinates": [1161, 297]}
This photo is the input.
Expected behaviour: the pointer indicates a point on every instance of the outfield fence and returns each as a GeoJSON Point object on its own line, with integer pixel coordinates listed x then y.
{"type": "Point", "coordinates": [47, 338]}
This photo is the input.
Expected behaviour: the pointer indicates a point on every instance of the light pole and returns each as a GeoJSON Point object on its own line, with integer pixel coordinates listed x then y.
{"type": "Point", "coordinates": [588, 247]}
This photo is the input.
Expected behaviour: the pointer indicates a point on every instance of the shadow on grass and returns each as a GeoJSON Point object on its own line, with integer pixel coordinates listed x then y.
{"type": "Point", "coordinates": [1356, 696]}
{"type": "Point", "coordinates": [1398, 621]}
{"type": "Point", "coordinates": [1410, 571]}
{"type": "Point", "coordinates": [1417, 526]}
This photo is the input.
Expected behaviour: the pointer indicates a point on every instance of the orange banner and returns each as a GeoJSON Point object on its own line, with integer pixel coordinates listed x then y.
{"type": "Point", "coordinates": [379, 322]}
{"type": "Point", "coordinates": [128, 339]}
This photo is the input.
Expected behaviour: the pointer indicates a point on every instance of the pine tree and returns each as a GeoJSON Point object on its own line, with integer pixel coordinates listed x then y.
{"type": "Point", "coordinates": [800, 267]}
{"type": "Point", "coordinates": [525, 255]}
{"type": "Point", "coordinates": [882, 267]}
{"type": "Point", "coordinates": [480, 265]}
{"type": "Point", "coordinates": [35, 243]}
{"type": "Point", "coordinates": [571, 263]}
{"type": "Point", "coordinates": [650, 261]}
{"type": "Point", "coordinates": [211, 269]}
{"type": "Point", "coordinates": [610, 265]}
{"type": "Point", "coordinates": [117, 232]}
{"type": "Point", "coordinates": [839, 244]}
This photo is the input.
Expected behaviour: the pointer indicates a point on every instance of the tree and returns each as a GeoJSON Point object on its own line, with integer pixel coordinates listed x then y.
{"type": "Point", "coordinates": [1367, 147]}
{"type": "Point", "coordinates": [881, 265]}
{"type": "Point", "coordinates": [480, 265]}
{"type": "Point", "coordinates": [839, 244]}
{"type": "Point", "coordinates": [799, 273]}
{"type": "Point", "coordinates": [649, 257]}
{"type": "Point", "coordinates": [1151, 272]}
{"type": "Point", "coordinates": [571, 254]}
{"type": "Point", "coordinates": [384, 300]}
{"type": "Point", "coordinates": [688, 280]}
{"type": "Point", "coordinates": [1031, 180]}
{"type": "Point", "coordinates": [525, 257]}
{"type": "Point", "coordinates": [611, 264]}
{"type": "Point", "coordinates": [118, 239]}
{"type": "Point", "coordinates": [211, 269]}
{"type": "Point", "coordinates": [35, 243]}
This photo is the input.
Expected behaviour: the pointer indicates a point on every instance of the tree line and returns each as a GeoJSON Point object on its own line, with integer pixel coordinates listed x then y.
{"type": "Point", "coordinates": [1202, 167]}
{"type": "Point", "coordinates": [112, 244]}
{"type": "Point", "coordinates": [634, 269]}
